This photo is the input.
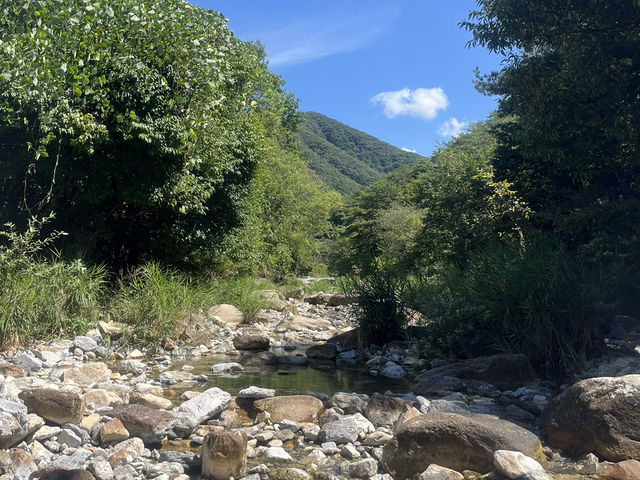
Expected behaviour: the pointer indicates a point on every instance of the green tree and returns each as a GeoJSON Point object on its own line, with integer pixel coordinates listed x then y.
{"type": "Point", "coordinates": [136, 121]}
{"type": "Point", "coordinates": [570, 78]}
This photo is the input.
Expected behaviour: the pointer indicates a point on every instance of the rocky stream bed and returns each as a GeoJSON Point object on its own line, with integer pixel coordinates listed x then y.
{"type": "Point", "coordinates": [293, 397]}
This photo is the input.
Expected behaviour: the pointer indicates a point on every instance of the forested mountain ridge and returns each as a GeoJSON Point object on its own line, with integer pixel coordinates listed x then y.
{"type": "Point", "coordinates": [346, 158]}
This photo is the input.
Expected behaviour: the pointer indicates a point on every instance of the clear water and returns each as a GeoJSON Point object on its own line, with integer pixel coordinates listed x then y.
{"type": "Point", "coordinates": [324, 377]}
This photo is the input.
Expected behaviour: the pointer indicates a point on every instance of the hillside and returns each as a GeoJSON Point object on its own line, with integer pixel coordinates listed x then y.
{"type": "Point", "coordinates": [346, 158]}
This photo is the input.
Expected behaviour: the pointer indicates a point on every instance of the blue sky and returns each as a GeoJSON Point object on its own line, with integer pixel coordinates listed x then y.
{"type": "Point", "coordinates": [399, 70]}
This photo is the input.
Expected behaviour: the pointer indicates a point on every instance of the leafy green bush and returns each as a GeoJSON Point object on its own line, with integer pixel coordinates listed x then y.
{"type": "Point", "coordinates": [381, 312]}
{"type": "Point", "coordinates": [43, 298]}
{"type": "Point", "coordinates": [538, 301]}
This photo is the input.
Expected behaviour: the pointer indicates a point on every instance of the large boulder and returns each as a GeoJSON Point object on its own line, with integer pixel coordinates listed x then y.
{"type": "Point", "coordinates": [299, 408]}
{"type": "Point", "coordinates": [207, 404]}
{"type": "Point", "coordinates": [598, 415]}
{"type": "Point", "coordinates": [458, 442]}
{"type": "Point", "coordinates": [323, 351]}
{"type": "Point", "coordinates": [224, 455]}
{"type": "Point", "coordinates": [153, 425]}
{"type": "Point", "coordinates": [13, 423]}
{"type": "Point", "coordinates": [259, 360]}
{"type": "Point", "coordinates": [505, 371]}
{"type": "Point", "coordinates": [57, 406]}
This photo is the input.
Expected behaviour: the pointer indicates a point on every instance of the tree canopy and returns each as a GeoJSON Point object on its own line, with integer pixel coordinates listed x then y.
{"type": "Point", "coordinates": [138, 122]}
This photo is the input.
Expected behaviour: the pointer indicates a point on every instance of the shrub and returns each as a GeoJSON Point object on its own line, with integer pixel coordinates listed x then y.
{"type": "Point", "coordinates": [41, 298]}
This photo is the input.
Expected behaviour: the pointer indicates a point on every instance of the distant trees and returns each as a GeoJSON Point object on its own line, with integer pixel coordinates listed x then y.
{"type": "Point", "coordinates": [140, 123]}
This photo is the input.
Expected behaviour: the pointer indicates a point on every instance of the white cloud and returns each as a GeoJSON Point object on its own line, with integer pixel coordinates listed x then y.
{"type": "Point", "coordinates": [421, 102]}
{"type": "Point", "coordinates": [324, 34]}
{"type": "Point", "coordinates": [452, 128]}
{"type": "Point", "coordinates": [408, 150]}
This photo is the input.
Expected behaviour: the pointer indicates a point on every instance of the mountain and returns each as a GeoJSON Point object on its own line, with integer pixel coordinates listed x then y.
{"type": "Point", "coordinates": [345, 158]}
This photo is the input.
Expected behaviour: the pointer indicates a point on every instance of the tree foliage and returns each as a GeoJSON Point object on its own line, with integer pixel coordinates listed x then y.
{"type": "Point", "coordinates": [136, 121]}
{"type": "Point", "coordinates": [570, 78]}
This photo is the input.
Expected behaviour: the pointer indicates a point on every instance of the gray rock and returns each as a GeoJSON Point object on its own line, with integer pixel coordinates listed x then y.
{"type": "Point", "coordinates": [350, 452]}
{"type": "Point", "coordinates": [277, 453]}
{"type": "Point", "coordinates": [101, 469]}
{"type": "Point", "coordinates": [345, 430]}
{"type": "Point", "coordinates": [133, 366]}
{"type": "Point", "coordinates": [73, 461]}
{"type": "Point", "coordinates": [13, 423]}
{"type": "Point", "coordinates": [436, 472]}
{"type": "Point", "coordinates": [153, 425]}
{"type": "Point", "coordinates": [27, 361]}
{"type": "Point", "coordinates": [349, 402]}
{"type": "Point", "coordinates": [364, 468]}
{"type": "Point", "coordinates": [515, 465]}
{"type": "Point", "coordinates": [84, 343]}
{"type": "Point", "coordinates": [70, 438]}
{"type": "Point", "coordinates": [206, 405]}
{"type": "Point", "coordinates": [391, 370]}
{"type": "Point", "coordinates": [229, 367]}
{"type": "Point", "coordinates": [256, 392]}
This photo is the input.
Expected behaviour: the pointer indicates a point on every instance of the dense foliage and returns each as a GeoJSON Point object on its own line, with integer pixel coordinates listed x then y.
{"type": "Point", "coordinates": [138, 122]}
{"type": "Point", "coordinates": [346, 158]}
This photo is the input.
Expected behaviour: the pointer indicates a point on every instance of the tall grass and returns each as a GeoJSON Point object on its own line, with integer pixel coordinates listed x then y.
{"type": "Point", "coordinates": [538, 301]}
{"type": "Point", "coordinates": [43, 297]}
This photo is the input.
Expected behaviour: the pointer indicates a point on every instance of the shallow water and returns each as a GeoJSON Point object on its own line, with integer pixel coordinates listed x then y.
{"type": "Point", "coordinates": [324, 377]}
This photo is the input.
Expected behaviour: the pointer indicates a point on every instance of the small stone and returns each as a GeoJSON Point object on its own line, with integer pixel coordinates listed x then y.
{"type": "Point", "coordinates": [350, 452]}
{"type": "Point", "coordinates": [132, 366]}
{"type": "Point", "coordinates": [256, 392]}
{"type": "Point", "coordinates": [516, 464]}
{"type": "Point", "coordinates": [436, 472]}
{"type": "Point", "coordinates": [113, 431]}
{"type": "Point", "coordinates": [277, 453]}
{"type": "Point", "coordinates": [363, 469]}
{"type": "Point", "coordinates": [69, 437]}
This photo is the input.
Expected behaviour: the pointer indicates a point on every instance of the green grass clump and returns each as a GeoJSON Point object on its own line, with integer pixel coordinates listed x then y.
{"type": "Point", "coordinates": [42, 298]}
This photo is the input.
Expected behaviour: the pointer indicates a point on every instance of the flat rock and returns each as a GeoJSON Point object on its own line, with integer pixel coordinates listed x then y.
{"type": "Point", "coordinates": [153, 425]}
{"type": "Point", "coordinates": [87, 374]}
{"type": "Point", "coordinates": [505, 371]}
{"type": "Point", "coordinates": [150, 401]}
{"type": "Point", "coordinates": [299, 323]}
{"type": "Point", "coordinates": [57, 406]}
{"type": "Point", "coordinates": [299, 408]}
{"type": "Point", "coordinates": [99, 398]}
{"type": "Point", "coordinates": [458, 442]}
{"type": "Point", "coordinates": [207, 404]}
{"type": "Point", "coordinates": [598, 415]}
{"type": "Point", "coordinates": [256, 392]}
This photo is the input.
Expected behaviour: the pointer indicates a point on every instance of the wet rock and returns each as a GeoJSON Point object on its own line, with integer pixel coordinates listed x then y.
{"type": "Point", "coordinates": [392, 370]}
{"type": "Point", "coordinates": [363, 468]}
{"type": "Point", "coordinates": [293, 360]}
{"type": "Point", "coordinates": [260, 359]}
{"type": "Point", "coordinates": [225, 314]}
{"type": "Point", "coordinates": [13, 423]}
{"type": "Point", "coordinates": [349, 402]}
{"type": "Point", "coordinates": [17, 463]}
{"type": "Point", "coordinates": [345, 430]}
{"type": "Point", "coordinates": [505, 371]}
{"type": "Point", "coordinates": [252, 342]}
{"type": "Point", "coordinates": [454, 441]}
{"type": "Point", "coordinates": [625, 470]}
{"type": "Point", "coordinates": [224, 455]}
{"type": "Point", "coordinates": [515, 465]}
{"type": "Point", "coordinates": [229, 367]}
{"type": "Point", "coordinates": [325, 351]}
{"type": "Point", "coordinates": [175, 376]}
{"type": "Point", "coordinates": [384, 410]}
{"type": "Point", "coordinates": [599, 415]}
{"type": "Point", "coordinates": [150, 401]}
{"type": "Point", "coordinates": [87, 374]}
{"type": "Point", "coordinates": [57, 406]}
{"type": "Point", "coordinates": [113, 431]}
{"type": "Point", "coordinates": [299, 408]}
{"type": "Point", "coordinates": [153, 425]}
{"type": "Point", "coordinates": [207, 404]}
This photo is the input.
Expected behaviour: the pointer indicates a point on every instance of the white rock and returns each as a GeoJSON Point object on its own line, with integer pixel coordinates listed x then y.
{"type": "Point", "coordinates": [515, 464]}
{"type": "Point", "coordinates": [277, 453]}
